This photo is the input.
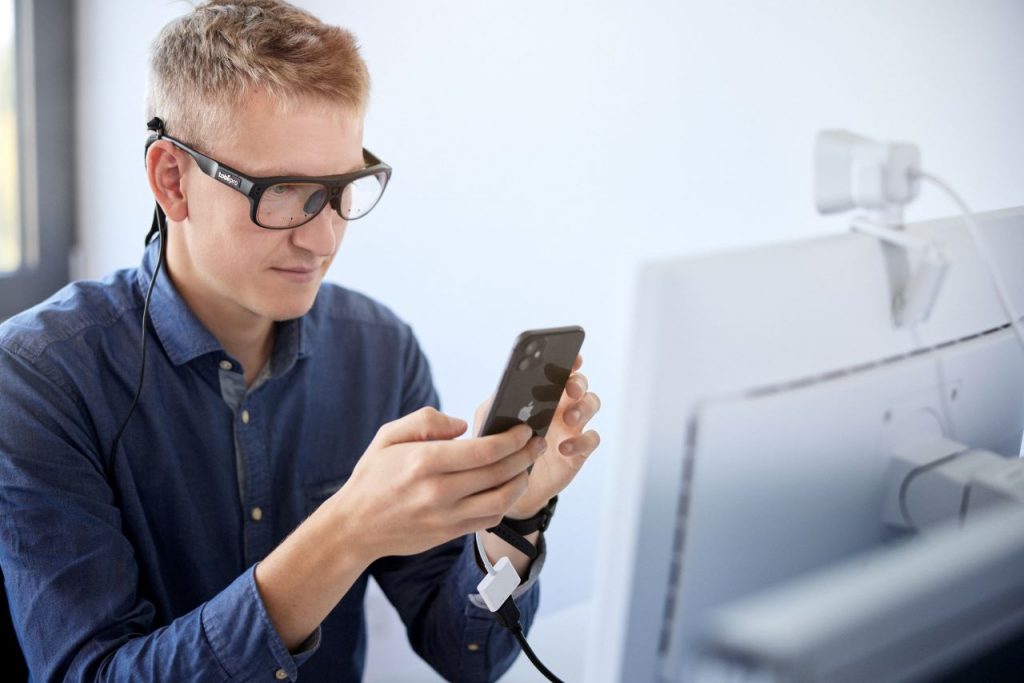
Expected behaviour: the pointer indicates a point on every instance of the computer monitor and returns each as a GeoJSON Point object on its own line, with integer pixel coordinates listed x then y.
{"type": "Point", "coordinates": [766, 389]}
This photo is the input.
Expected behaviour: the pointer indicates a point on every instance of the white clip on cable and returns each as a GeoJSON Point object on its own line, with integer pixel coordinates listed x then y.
{"type": "Point", "coordinates": [501, 581]}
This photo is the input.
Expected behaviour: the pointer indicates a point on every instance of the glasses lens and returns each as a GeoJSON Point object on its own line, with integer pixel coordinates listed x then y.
{"type": "Point", "coordinates": [285, 205]}
{"type": "Point", "coordinates": [361, 195]}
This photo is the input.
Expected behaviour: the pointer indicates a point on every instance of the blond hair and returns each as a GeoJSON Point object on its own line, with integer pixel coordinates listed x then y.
{"type": "Point", "coordinates": [207, 62]}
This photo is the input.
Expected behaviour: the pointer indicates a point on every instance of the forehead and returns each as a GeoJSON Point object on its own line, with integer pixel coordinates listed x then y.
{"type": "Point", "coordinates": [304, 138]}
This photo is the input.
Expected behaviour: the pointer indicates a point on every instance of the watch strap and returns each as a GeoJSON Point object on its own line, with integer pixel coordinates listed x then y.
{"type": "Point", "coordinates": [514, 531]}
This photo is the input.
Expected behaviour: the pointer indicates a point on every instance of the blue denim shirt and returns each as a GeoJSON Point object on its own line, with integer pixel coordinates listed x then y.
{"type": "Point", "coordinates": [147, 574]}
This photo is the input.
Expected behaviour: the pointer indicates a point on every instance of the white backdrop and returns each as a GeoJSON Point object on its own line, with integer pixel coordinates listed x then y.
{"type": "Point", "coordinates": [541, 150]}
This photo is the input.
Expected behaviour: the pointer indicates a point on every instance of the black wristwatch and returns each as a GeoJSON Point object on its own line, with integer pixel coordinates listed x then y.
{"type": "Point", "coordinates": [513, 531]}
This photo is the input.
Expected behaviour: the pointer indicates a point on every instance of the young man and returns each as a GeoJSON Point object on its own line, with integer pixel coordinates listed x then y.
{"type": "Point", "coordinates": [286, 442]}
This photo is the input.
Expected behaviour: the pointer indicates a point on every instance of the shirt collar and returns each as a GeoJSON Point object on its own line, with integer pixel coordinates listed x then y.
{"type": "Point", "coordinates": [184, 338]}
{"type": "Point", "coordinates": [291, 344]}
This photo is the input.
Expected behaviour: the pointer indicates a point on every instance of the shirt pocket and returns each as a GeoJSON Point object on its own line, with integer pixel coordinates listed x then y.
{"type": "Point", "coordinates": [317, 494]}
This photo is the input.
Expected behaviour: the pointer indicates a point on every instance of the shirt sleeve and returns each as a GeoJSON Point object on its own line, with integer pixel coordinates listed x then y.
{"type": "Point", "coordinates": [418, 385]}
{"type": "Point", "coordinates": [70, 573]}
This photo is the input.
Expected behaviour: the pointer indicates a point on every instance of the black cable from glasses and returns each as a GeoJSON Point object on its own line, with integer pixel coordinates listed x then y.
{"type": "Point", "coordinates": [159, 227]}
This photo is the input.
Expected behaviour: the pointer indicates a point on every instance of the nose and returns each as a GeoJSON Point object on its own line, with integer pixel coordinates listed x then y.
{"type": "Point", "coordinates": [321, 235]}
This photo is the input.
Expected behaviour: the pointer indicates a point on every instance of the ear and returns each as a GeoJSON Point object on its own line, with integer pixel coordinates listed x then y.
{"type": "Point", "coordinates": [165, 170]}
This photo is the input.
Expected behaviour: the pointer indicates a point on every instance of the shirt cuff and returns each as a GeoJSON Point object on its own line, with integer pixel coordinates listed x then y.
{"type": "Point", "coordinates": [307, 649]}
{"type": "Point", "coordinates": [244, 639]}
{"type": "Point", "coordinates": [531, 579]}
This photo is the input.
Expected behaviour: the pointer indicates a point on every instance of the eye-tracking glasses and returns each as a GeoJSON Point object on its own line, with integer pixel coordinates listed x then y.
{"type": "Point", "coordinates": [285, 202]}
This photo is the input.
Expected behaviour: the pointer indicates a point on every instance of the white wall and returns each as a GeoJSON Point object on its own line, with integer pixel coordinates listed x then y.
{"type": "Point", "coordinates": [541, 150]}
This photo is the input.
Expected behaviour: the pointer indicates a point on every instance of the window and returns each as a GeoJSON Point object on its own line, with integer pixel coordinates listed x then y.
{"type": "Point", "coordinates": [36, 150]}
{"type": "Point", "coordinates": [10, 233]}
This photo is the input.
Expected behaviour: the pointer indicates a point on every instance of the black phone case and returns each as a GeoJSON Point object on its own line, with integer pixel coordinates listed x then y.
{"type": "Point", "coordinates": [534, 380]}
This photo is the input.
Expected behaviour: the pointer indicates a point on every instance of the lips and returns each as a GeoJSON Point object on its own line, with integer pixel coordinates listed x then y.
{"type": "Point", "coordinates": [300, 274]}
{"type": "Point", "coordinates": [297, 269]}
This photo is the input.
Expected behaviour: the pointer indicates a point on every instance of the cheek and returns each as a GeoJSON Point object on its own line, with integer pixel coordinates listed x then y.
{"type": "Point", "coordinates": [225, 243]}
{"type": "Point", "coordinates": [212, 204]}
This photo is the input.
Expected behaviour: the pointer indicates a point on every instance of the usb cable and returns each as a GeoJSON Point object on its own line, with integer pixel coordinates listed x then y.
{"type": "Point", "coordinates": [496, 589]}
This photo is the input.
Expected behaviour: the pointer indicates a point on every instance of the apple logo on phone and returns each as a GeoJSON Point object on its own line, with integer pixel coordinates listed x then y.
{"type": "Point", "coordinates": [526, 412]}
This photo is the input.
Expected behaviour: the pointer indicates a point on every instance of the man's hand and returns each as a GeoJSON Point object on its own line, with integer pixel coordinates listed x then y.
{"type": "Point", "coordinates": [415, 487]}
{"type": "Point", "coordinates": [568, 446]}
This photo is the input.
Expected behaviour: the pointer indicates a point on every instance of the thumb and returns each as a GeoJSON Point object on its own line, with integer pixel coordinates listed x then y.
{"type": "Point", "coordinates": [426, 424]}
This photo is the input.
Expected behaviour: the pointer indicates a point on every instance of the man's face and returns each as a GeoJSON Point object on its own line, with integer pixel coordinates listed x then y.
{"type": "Point", "coordinates": [226, 265]}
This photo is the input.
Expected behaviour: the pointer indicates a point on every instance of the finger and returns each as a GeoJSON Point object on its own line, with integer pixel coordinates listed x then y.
{"type": "Point", "coordinates": [577, 386]}
{"type": "Point", "coordinates": [582, 445]}
{"type": "Point", "coordinates": [470, 482]}
{"type": "Point", "coordinates": [582, 412]}
{"type": "Point", "coordinates": [578, 364]}
{"type": "Point", "coordinates": [468, 454]}
{"type": "Point", "coordinates": [426, 424]}
{"type": "Point", "coordinates": [493, 503]}
{"type": "Point", "coordinates": [481, 413]}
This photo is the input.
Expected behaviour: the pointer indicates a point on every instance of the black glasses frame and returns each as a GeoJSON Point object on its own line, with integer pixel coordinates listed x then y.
{"type": "Point", "coordinates": [253, 187]}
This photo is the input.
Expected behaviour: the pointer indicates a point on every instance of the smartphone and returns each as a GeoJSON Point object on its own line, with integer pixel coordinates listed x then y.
{"type": "Point", "coordinates": [534, 380]}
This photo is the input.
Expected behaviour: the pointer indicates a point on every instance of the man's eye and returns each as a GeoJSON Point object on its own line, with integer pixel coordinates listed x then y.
{"type": "Point", "coordinates": [280, 190]}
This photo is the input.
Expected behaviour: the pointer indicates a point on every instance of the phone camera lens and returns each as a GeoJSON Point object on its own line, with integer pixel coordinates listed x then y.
{"type": "Point", "coordinates": [531, 347]}
{"type": "Point", "coordinates": [524, 364]}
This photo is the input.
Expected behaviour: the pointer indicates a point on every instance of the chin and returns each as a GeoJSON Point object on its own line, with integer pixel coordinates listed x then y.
{"type": "Point", "coordinates": [282, 307]}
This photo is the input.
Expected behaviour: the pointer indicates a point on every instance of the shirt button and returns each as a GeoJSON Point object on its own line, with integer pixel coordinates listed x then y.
{"type": "Point", "coordinates": [245, 417]}
{"type": "Point", "coordinates": [256, 514]}
{"type": "Point", "coordinates": [225, 365]}
{"type": "Point", "coordinates": [473, 647]}
{"type": "Point", "coordinates": [280, 674]}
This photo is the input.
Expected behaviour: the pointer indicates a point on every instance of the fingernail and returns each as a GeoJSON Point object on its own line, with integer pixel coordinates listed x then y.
{"type": "Point", "coordinates": [567, 448]}
{"type": "Point", "coordinates": [572, 417]}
